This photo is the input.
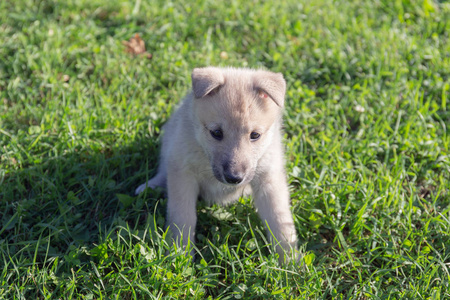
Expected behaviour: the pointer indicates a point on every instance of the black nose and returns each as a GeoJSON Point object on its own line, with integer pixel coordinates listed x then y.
{"type": "Point", "coordinates": [233, 179]}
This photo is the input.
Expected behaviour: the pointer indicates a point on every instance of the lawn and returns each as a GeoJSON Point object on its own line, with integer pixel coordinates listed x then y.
{"type": "Point", "coordinates": [367, 148]}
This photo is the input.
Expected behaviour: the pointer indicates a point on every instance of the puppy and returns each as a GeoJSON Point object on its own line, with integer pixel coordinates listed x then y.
{"type": "Point", "coordinates": [223, 142]}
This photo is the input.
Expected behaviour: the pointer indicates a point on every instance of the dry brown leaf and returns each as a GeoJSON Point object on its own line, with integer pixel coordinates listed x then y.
{"type": "Point", "coordinates": [136, 46]}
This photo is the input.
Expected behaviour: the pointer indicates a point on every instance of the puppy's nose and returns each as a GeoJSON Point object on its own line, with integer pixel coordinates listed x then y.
{"type": "Point", "coordinates": [232, 178]}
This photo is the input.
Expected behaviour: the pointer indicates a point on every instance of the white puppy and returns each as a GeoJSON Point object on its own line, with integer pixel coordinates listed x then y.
{"type": "Point", "coordinates": [224, 141]}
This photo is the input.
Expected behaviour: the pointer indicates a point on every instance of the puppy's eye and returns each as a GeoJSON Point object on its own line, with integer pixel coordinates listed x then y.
{"type": "Point", "coordinates": [217, 134]}
{"type": "Point", "coordinates": [254, 136]}
{"type": "Point", "coordinates": [262, 95]}
{"type": "Point", "coordinates": [213, 91]}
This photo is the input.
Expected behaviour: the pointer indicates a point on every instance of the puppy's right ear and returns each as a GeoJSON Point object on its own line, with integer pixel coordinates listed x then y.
{"type": "Point", "coordinates": [205, 80]}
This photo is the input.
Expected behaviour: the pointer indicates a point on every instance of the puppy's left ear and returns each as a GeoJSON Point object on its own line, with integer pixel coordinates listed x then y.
{"type": "Point", "coordinates": [206, 80]}
{"type": "Point", "coordinates": [273, 84]}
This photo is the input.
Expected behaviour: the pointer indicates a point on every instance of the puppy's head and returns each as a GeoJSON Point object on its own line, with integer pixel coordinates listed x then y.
{"type": "Point", "coordinates": [237, 113]}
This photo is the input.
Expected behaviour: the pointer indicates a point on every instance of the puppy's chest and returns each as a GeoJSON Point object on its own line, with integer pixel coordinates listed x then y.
{"type": "Point", "coordinates": [212, 191]}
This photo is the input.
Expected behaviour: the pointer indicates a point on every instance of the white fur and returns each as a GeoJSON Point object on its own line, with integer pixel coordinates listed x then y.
{"type": "Point", "coordinates": [193, 163]}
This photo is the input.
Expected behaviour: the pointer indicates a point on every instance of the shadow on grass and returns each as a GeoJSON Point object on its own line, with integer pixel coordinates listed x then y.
{"type": "Point", "coordinates": [68, 200]}
{"type": "Point", "coordinates": [68, 205]}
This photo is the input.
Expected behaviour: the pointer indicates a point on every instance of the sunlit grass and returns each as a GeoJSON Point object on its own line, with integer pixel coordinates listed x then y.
{"type": "Point", "coordinates": [367, 149]}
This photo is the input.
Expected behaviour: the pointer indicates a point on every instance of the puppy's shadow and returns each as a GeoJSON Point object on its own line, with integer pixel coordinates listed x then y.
{"type": "Point", "coordinates": [75, 199]}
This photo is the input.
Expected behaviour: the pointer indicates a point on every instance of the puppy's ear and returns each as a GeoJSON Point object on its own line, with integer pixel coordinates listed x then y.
{"type": "Point", "coordinates": [271, 83]}
{"type": "Point", "coordinates": [205, 80]}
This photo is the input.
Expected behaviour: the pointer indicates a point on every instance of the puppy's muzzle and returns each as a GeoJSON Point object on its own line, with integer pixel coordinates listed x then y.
{"type": "Point", "coordinates": [232, 178]}
{"type": "Point", "coordinates": [231, 175]}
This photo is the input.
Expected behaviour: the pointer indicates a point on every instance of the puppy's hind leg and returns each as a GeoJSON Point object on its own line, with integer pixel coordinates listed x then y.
{"type": "Point", "coordinates": [158, 181]}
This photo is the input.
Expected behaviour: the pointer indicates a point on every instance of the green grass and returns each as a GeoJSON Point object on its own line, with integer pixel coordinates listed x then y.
{"type": "Point", "coordinates": [367, 144]}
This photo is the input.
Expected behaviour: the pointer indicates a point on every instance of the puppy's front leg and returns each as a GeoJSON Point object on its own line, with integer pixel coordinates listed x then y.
{"type": "Point", "coordinates": [183, 189]}
{"type": "Point", "coordinates": [271, 198]}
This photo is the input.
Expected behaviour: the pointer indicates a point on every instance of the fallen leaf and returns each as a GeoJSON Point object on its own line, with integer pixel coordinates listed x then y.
{"type": "Point", "coordinates": [136, 46]}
